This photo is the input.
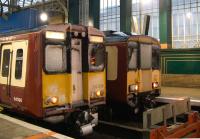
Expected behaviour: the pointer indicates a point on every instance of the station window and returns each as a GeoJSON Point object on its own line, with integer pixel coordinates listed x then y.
{"type": "Point", "coordinates": [145, 56]}
{"type": "Point", "coordinates": [140, 8]}
{"type": "Point", "coordinates": [19, 64]}
{"type": "Point", "coordinates": [96, 57]}
{"type": "Point", "coordinates": [55, 58]}
{"type": "Point", "coordinates": [6, 62]}
{"type": "Point", "coordinates": [110, 15]}
{"type": "Point", "coordinates": [185, 24]}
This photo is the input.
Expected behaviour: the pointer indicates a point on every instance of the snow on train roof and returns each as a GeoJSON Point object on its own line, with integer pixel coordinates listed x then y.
{"type": "Point", "coordinates": [112, 36]}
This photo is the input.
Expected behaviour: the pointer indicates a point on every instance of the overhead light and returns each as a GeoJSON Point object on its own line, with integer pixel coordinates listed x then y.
{"type": "Point", "coordinates": [145, 2]}
{"type": "Point", "coordinates": [189, 15]}
{"type": "Point", "coordinates": [43, 17]}
{"type": "Point", "coordinates": [90, 23]}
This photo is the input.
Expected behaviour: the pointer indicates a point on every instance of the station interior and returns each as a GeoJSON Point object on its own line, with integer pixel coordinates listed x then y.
{"type": "Point", "coordinates": [72, 62]}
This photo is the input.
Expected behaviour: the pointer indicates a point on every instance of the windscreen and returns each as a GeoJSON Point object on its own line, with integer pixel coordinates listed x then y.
{"type": "Point", "coordinates": [96, 54]}
{"type": "Point", "coordinates": [146, 56]}
{"type": "Point", "coordinates": [55, 58]}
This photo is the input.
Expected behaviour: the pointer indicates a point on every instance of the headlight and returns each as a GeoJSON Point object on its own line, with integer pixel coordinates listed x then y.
{"type": "Point", "coordinates": [133, 88]}
{"type": "Point", "coordinates": [97, 94]}
{"type": "Point", "coordinates": [155, 85]}
{"type": "Point", "coordinates": [52, 100]}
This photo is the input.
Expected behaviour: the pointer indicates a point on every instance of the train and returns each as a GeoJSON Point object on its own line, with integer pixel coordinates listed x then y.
{"type": "Point", "coordinates": [54, 71]}
{"type": "Point", "coordinates": [133, 72]}
{"type": "Point", "coordinates": [71, 71]}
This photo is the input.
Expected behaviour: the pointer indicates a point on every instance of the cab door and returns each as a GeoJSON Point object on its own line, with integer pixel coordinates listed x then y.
{"type": "Point", "coordinates": [76, 70]}
{"type": "Point", "coordinates": [5, 78]}
{"type": "Point", "coordinates": [13, 72]}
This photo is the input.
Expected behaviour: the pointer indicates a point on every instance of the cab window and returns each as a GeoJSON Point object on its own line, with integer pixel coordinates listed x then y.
{"type": "Point", "coordinates": [145, 56]}
{"type": "Point", "coordinates": [155, 57]}
{"type": "Point", "coordinates": [132, 56]}
{"type": "Point", "coordinates": [96, 54]}
{"type": "Point", "coordinates": [55, 58]}
{"type": "Point", "coordinates": [6, 62]}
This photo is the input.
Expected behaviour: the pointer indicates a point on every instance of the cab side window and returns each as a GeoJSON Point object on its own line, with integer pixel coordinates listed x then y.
{"type": "Point", "coordinates": [19, 64]}
{"type": "Point", "coordinates": [155, 57]}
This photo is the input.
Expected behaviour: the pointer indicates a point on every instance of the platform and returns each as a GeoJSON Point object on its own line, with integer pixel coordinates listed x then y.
{"type": "Point", "coordinates": [11, 128]}
{"type": "Point", "coordinates": [178, 92]}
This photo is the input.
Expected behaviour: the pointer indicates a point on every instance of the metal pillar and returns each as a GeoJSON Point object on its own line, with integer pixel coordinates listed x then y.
{"type": "Point", "coordinates": [94, 13]}
{"type": "Point", "coordinates": [165, 24]}
{"type": "Point", "coordinates": [125, 15]}
{"type": "Point", "coordinates": [74, 11]}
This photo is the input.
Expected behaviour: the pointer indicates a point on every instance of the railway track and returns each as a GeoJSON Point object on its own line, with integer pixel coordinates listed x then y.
{"type": "Point", "coordinates": [105, 129]}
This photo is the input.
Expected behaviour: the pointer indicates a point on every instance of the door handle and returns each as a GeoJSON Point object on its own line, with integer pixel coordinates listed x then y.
{"type": "Point", "coordinates": [74, 88]}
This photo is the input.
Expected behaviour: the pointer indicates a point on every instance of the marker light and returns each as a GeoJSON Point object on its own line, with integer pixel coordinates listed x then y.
{"type": "Point", "coordinates": [98, 93]}
{"type": "Point", "coordinates": [43, 17]}
{"type": "Point", "coordinates": [133, 88]}
{"type": "Point", "coordinates": [52, 100]}
{"type": "Point", "coordinates": [155, 85]}
{"type": "Point", "coordinates": [55, 35]}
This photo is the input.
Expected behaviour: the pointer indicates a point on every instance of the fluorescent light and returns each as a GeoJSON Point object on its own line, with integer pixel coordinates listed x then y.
{"type": "Point", "coordinates": [146, 2]}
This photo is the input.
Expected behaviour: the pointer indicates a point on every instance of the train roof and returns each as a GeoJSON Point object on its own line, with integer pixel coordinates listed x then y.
{"type": "Point", "coordinates": [113, 37]}
{"type": "Point", "coordinates": [58, 27]}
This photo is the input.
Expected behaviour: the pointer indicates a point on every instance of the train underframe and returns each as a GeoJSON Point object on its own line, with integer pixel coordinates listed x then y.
{"type": "Point", "coordinates": [142, 101]}
{"type": "Point", "coordinates": [80, 120]}
{"type": "Point", "coordinates": [132, 109]}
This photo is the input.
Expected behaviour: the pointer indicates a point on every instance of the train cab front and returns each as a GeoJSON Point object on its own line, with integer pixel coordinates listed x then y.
{"type": "Point", "coordinates": [94, 70]}
{"type": "Point", "coordinates": [88, 76]}
{"type": "Point", "coordinates": [64, 79]}
{"type": "Point", "coordinates": [143, 79]}
{"type": "Point", "coordinates": [94, 76]}
{"type": "Point", "coordinates": [55, 75]}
